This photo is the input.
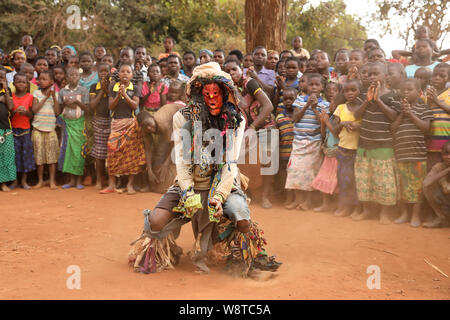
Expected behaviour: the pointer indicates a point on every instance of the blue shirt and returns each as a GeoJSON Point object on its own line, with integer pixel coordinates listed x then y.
{"type": "Point", "coordinates": [411, 69]}
{"type": "Point", "coordinates": [309, 126]}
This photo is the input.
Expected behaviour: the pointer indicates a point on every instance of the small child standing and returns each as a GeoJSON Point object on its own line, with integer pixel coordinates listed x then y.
{"type": "Point", "coordinates": [154, 92]}
{"type": "Point", "coordinates": [410, 128]}
{"type": "Point", "coordinates": [101, 121]}
{"type": "Point", "coordinates": [22, 113]}
{"type": "Point", "coordinates": [438, 100]}
{"type": "Point", "coordinates": [286, 128]}
{"type": "Point", "coordinates": [7, 154]}
{"type": "Point", "coordinates": [375, 161]}
{"type": "Point", "coordinates": [424, 76]}
{"type": "Point", "coordinates": [341, 60]}
{"type": "Point", "coordinates": [291, 80]}
{"type": "Point", "coordinates": [326, 179]}
{"type": "Point", "coordinates": [306, 156]}
{"type": "Point", "coordinates": [348, 129]}
{"type": "Point", "coordinates": [125, 144]}
{"type": "Point", "coordinates": [44, 138]}
{"type": "Point", "coordinates": [74, 100]}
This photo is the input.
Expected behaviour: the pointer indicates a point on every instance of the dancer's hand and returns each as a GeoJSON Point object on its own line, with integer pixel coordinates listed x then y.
{"type": "Point", "coordinates": [218, 206]}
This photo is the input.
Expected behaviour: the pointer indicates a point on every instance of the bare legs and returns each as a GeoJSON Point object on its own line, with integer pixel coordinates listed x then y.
{"type": "Point", "coordinates": [40, 172]}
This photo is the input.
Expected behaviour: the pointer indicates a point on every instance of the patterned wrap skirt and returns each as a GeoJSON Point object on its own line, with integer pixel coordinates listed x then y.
{"type": "Point", "coordinates": [46, 147]}
{"type": "Point", "coordinates": [304, 164]}
{"type": "Point", "coordinates": [7, 156]}
{"type": "Point", "coordinates": [102, 130]}
{"type": "Point", "coordinates": [346, 177]}
{"type": "Point", "coordinates": [410, 176]}
{"type": "Point", "coordinates": [375, 176]}
{"type": "Point", "coordinates": [126, 154]}
{"type": "Point", "coordinates": [24, 150]}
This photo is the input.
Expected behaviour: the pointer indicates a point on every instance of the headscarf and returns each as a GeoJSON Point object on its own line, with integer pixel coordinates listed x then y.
{"type": "Point", "coordinates": [11, 55]}
{"type": "Point", "coordinates": [208, 52]}
{"type": "Point", "coordinates": [71, 48]}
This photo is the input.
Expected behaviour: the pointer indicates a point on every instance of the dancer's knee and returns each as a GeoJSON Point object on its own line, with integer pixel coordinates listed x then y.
{"type": "Point", "coordinates": [243, 226]}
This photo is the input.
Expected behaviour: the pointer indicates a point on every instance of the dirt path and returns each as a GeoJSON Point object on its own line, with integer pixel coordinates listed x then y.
{"type": "Point", "coordinates": [43, 232]}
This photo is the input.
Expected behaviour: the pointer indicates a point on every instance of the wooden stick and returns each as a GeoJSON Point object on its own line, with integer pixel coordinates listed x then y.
{"type": "Point", "coordinates": [435, 268]}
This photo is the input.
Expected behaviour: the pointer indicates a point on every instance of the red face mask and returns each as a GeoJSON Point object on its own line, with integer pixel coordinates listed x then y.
{"type": "Point", "coordinates": [213, 98]}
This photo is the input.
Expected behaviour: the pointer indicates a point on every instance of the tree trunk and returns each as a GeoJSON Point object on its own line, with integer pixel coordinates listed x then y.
{"type": "Point", "coordinates": [265, 24]}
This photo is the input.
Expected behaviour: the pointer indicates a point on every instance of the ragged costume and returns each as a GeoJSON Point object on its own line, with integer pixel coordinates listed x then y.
{"type": "Point", "coordinates": [212, 104]}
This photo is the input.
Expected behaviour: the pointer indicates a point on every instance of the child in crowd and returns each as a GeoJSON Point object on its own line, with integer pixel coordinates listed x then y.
{"type": "Point", "coordinates": [375, 161]}
{"type": "Point", "coordinates": [73, 100]}
{"type": "Point", "coordinates": [438, 100]}
{"type": "Point", "coordinates": [44, 138]}
{"type": "Point", "coordinates": [20, 121]}
{"type": "Point", "coordinates": [189, 63]}
{"type": "Point", "coordinates": [7, 154]}
{"type": "Point", "coordinates": [347, 128]}
{"type": "Point", "coordinates": [163, 66]}
{"type": "Point", "coordinates": [291, 80]}
{"type": "Point", "coordinates": [424, 76]}
{"type": "Point", "coordinates": [410, 128]}
{"type": "Point", "coordinates": [356, 60]}
{"type": "Point", "coordinates": [28, 70]}
{"type": "Point", "coordinates": [248, 61]}
{"type": "Point", "coordinates": [326, 179]}
{"type": "Point", "coordinates": [281, 68]}
{"type": "Point", "coordinates": [154, 92]}
{"type": "Point", "coordinates": [41, 65]}
{"type": "Point", "coordinates": [285, 124]}
{"type": "Point", "coordinates": [109, 60]}
{"type": "Point", "coordinates": [101, 122]}
{"type": "Point", "coordinates": [175, 93]}
{"type": "Point", "coordinates": [88, 77]}
{"type": "Point", "coordinates": [436, 188]}
{"type": "Point", "coordinates": [311, 66]}
{"type": "Point", "coordinates": [125, 145]}
{"type": "Point", "coordinates": [52, 57]}
{"type": "Point", "coordinates": [341, 60]}
{"type": "Point", "coordinates": [363, 75]}
{"type": "Point", "coordinates": [395, 77]}
{"type": "Point", "coordinates": [306, 156]}
{"type": "Point", "coordinates": [73, 62]}
{"type": "Point", "coordinates": [59, 72]}
{"type": "Point", "coordinates": [376, 54]}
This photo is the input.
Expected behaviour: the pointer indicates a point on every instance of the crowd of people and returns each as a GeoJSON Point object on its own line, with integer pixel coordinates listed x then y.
{"type": "Point", "coordinates": [359, 134]}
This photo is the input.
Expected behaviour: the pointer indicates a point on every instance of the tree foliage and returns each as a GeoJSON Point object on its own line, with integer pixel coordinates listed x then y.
{"type": "Point", "coordinates": [194, 24]}
{"type": "Point", "coordinates": [412, 14]}
{"type": "Point", "coordinates": [325, 26]}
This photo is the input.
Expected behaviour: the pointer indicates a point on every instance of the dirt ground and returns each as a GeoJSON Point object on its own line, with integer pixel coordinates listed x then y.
{"type": "Point", "coordinates": [43, 232]}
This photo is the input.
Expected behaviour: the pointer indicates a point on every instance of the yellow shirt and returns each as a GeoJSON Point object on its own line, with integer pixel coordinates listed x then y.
{"type": "Point", "coordinates": [33, 87]}
{"type": "Point", "coordinates": [303, 53]}
{"type": "Point", "coordinates": [347, 139]}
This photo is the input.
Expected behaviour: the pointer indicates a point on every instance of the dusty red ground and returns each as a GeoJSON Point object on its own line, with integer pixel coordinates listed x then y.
{"type": "Point", "coordinates": [42, 232]}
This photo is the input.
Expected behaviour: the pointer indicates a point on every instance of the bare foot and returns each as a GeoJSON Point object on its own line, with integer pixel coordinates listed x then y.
{"type": "Point", "coordinates": [343, 213]}
{"type": "Point", "coordinates": [39, 185]}
{"type": "Point", "coordinates": [384, 218]}
{"type": "Point", "coordinates": [402, 219]}
{"type": "Point", "coordinates": [306, 206]}
{"type": "Point", "coordinates": [5, 188]}
{"type": "Point", "coordinates": [435, 223]}
{"type": "Point", "coordinates": [130, 190]}
{"type": "Point", "coordinates": [265, 203]}
{"type": "Point", "coordinates": [415, 221]}
{"type": "Point", "coordinates": [324, 208]}
{"type": "Point", "coordinates": [363, 216]}
{"type": "Point", "coordinates": [98, 185]}
{"type": "Point", "coordinates": [53, 186]}
{"type": "Point", "coordinates": [291, 205]}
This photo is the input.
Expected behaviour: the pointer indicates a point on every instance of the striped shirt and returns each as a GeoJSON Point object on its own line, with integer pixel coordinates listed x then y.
{"type": "Point", "coordinates": [440, 126]}
{"type": "Point", "coordinates": [44, 119]}
{"type": "Point", "coordinates": [286, 127]}
{"type": "Point", "coordinates": [309, 126]}
{"type": "Point", "coordinates": [409, 139]}
{"type": "Point", "coordinates": [375, 129]}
